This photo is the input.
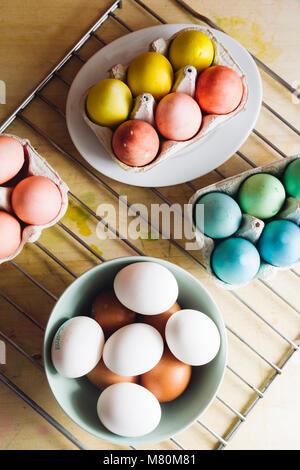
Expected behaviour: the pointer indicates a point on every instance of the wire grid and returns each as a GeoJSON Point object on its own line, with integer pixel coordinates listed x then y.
{"type": "Point", "coordinates": [235, 412]}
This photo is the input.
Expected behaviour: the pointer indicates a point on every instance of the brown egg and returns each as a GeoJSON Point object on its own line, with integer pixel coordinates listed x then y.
{"type": "Point", "coordinates": [159, 321]}
{"type": "Point", "coordinates": [110, 313]}
{"type": "Point", "coordinates": [168, 379]}
{"type": "Point", "coordinates": [102, 377]}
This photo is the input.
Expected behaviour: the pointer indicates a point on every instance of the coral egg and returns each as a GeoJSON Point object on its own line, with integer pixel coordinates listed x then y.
{"type": "Point", "coordinates": [36, 200]}
{"type": "Point", "coordinates": [178, 116]}
{"type": "Point", "coordinates": [168, 379]}
{"type": "Point", "coordinates": [219, 90]}
{"type": "Point", "coordinates": [135, 142]}
{"type": "Point", "coordinates": [11, 158]}
{"type": "Point", "coordinates": [111, 315]}
{"type": "Point", "coordinates": [10, 235]}
{"type": "Point", "coordinates": [102, 377]}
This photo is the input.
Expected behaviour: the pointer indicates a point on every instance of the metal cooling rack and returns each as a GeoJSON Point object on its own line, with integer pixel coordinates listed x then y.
{"type": "Point", "coordinates": [257, 393]}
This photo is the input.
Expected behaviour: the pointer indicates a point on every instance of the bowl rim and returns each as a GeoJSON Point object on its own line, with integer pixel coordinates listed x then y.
{"type": "Point", "coordinates": [224, 341]}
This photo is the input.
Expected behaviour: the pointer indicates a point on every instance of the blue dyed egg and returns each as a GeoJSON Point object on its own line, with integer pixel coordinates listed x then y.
{"type": "Point", "coordinates": [279, 243]}
{"type": "Point", "coordinates": [220, 217]}
{"type": "Point", "coordinates": [235, 261]}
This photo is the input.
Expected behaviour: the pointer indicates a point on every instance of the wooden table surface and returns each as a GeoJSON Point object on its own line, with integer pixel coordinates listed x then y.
{"type": "Point", "coordinates": [34, 36]}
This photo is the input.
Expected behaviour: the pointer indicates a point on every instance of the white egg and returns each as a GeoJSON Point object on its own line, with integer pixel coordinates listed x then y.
{"type": "Point", "coordinates": [146, 287]}
{"type": "Point", "coordinates": [77, 346]}
{"type": "Point", "coordinates": [128, 409]}
{"type": "Point", "coordinates": [133, 349]}
{"type": "Point", "coordinates": [192, 337]}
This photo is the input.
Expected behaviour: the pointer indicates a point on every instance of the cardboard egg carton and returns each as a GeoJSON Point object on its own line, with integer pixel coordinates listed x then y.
{"type": "Point", "coordinates": [185, 81]}
{"type": "Point", "coordinates": [34, 165]}
{"type": "Point", "coordinates": [251, 227]}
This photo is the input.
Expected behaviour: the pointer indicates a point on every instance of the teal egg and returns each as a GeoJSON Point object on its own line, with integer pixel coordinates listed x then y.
{"type": "Point", "coordinates": [279, 243]}
{"type": "Point", "coordinates": [235, 261]}
{"type": "Point", "coordinates": [291, 178]}
{"type": "Point", "coordinates": [261, 195]}
{"type": "Point", "coordinates": [217, 215]}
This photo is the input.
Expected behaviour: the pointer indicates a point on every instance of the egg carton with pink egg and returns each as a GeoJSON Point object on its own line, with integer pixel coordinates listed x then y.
{"type": "Point", "coordinates": [144, 107]}
{"type": "Point", "coordinates": [32, 195]}
{"type": "Point", "coordinates": [251, 228]}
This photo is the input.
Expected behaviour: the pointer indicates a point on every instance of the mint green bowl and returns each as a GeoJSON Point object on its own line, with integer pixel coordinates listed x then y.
{"type": "Point", "coordinates": [78, 398]}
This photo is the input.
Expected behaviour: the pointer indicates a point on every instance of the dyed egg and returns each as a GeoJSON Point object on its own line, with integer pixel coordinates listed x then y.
{"type": "Point", "coordinates": [102, 377]}
{"type": "Point", "coordinates": [192, 337]}
{"type": "Point", "coordinates": [178, 117]}
{"type": "Point", "coordinates": [36, 200]}
{"type": "Point", "coordinates": [109, 102]}
{"type": "Point", "coordinates": [135, 143]}
{"type": "Point", "coordinates": [10, 235]}
{"type": "Point", "coordinates": [191, 47]}
{"type": "Point", "coordinates": [128, 410]}
{"type": "Point", "coordinates": [168, 379]}
{"type": "Point", "coordinates": [291, 178]}
{"type": "Point", "coordinates": [77, 347]}
{"type": "Point", "coordinates": [133, 349]}
{"type": "Point", "coordinates": [261, 195]}
{"type": "Point", "coordinates": [159, 321]}
{"type": "Point", "coordinates": [279, 243]}
{"type": "Point", "coordinates": [150, 72]}
{"type": "Point", "coordinates": [111, 315]}
{"type": "Point", "coordinates": [11, 158]}
{"type": "Point", "coordinates": [219, 90]}
{"type": "Point", "coordinates": [146, 287]}
{"type": "Point", "coordinates": [235, 261]}
{"type": "Point", "coordinates": [217, 215]}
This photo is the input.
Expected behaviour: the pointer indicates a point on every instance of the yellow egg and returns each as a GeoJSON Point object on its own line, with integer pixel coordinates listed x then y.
{"type": "Point", "coordinates": [150, 72]}
{"type": "Point", "coordinates": [191, 48]}
{"type": "Point", "coordinates": [109, 102]}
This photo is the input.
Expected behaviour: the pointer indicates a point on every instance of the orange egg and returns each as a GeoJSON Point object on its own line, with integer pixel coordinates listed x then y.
{"type": "Point", "coordinates": [36, 200]}
{"type": "Point", "coordinates": [219, 90]}
{"type": "Point", "coordinates": [178, 116]}
{"type": "Point", "coordinates": [168, 379]}
{"type": "Point", "coordinates": [102, 377]}
{"type": "Point", "coordinates": [111, 315]}
{"type": "Point", "coordinates": [11, 158]}
{"type": "Point", "coordinates": [159, 321]}
{"type": "Point", "coordinates": [10, 234]}
{"type": "Point", "coordinates": [135, 143]}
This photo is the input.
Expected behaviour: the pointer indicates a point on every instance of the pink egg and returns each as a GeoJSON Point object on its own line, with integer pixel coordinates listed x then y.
{"type": "Point", "coordinates": [11, 158]}
{"type": "Point", "coordinates": [219, 90]}
{"type": "Point", "coordinates": [135, 142]}
{"type": "Point", "coordinates": [36, 200]}
{"type": "Point", "coordinates": [10, 235]}
{"type": "Point", "coordinates": [178, 116]}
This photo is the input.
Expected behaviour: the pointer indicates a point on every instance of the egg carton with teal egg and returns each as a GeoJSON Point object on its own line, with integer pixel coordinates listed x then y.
{"type": "Point", "coordinates": [251, 227]}
{"type": "Point", "coordinates": [35, 165]}
{"type": "Point", "coordinates": [185, 82]}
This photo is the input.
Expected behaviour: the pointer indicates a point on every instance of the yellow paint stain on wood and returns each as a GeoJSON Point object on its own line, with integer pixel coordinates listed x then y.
{"type": "Point", "coordinates": [251, 35]}
{"type": "Point", "coordinates": [79, 217]}
{"type": "Point", "coordinates": [95, 248]}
